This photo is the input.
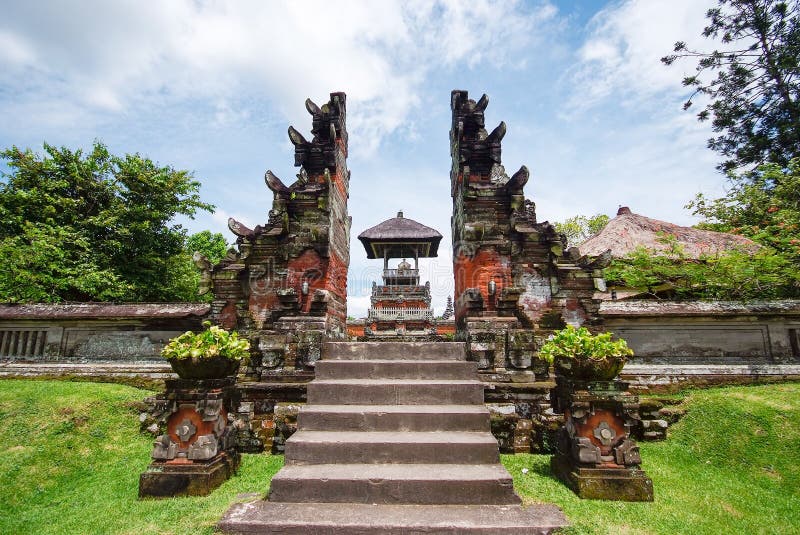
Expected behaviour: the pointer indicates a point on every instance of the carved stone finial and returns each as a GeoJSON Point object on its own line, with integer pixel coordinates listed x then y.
{"type": "Point", "coordinates": [475, 148]}
{"type": "Point", "coordinates": [327, 126]}
{"type": "Point", "coordinates": [482, 103]}
{"type": "Point", "coordinates": [312, 108]}
{"type": "Point", "coordinates": [204, 265]}
{"type": "Point", "coordinates": [518, 179]}
{"type": "Point", "coordinates": [274, 183]}
{"type": "Point", "coordinates": [296, 137]}
{"type": "Point", "coordinates": [239, 229]}
{"type": "Point", "coordinates": [497, 134]}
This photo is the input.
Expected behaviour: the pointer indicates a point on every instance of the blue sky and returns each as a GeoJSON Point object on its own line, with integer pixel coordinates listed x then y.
{"type": "Point", "coordinates": [213, 86]}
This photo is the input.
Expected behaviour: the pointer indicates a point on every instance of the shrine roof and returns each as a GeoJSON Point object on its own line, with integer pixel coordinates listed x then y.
{"type": "Point", "coordinates": [627, 231]}
{"type": "Point", "coordinates": [398, 235]}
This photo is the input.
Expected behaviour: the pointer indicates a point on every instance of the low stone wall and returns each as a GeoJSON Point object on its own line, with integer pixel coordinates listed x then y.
{"type": "Point", "coordinates": [700, 343]}
{"type": "Point", "coordinates": [719, 343]}
{"type": "Point", "coordinates": [707, 333]}
{"type": "Point", "coordinates": [93, 332]}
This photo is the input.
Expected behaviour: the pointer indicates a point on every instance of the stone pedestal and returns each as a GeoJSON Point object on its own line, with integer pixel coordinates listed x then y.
{"type": "Point", "coordinates": [595, 454]}
{"type": "Point", "coordinates": [197, 453]}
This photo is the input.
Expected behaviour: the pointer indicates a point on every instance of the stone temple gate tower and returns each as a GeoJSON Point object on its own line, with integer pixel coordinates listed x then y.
{"type": "Point", "coordinates": [285, 284]}
{"type": "Point", "coordinates": [513, 278]}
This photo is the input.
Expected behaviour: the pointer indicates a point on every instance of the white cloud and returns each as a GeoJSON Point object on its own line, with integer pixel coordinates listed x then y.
{"type": "Point", "coordinates": [625, 138]}
{"type": "Point", "coordinates": [121, 56]}
{"type": "Point", "coordinates": [621, 57]}
{"type": "Point", "coordinates": [14, 50]}
{"type": "Point", "coordinates": [357, 305]}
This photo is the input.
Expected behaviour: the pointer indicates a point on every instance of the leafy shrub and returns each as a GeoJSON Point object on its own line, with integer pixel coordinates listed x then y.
{"type": "Point", "coordinates": [733, 274]}
{"type": "Point", "coordinates": [212, 342]}
{"type": "Point", "coordinates": [572, 342]}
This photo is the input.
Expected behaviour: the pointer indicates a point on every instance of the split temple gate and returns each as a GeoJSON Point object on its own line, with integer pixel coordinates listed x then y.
{"type": "Point", "coordinates": [285, 284]}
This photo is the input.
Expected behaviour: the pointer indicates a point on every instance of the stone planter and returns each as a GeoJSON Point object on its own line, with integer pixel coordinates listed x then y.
{"type": "Point", "coordinates": [584, 368]}
{"type": "Point", "coordinates": [197, 453]}
{"type": "Point", "coordinates": [595, 454]}
{"type": "Point", "coordinates": [206, 368]}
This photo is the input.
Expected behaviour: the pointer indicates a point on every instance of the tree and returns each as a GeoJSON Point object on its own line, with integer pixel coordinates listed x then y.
{"type": "Point", "coordinates": [733, 275]}
{"type": "Point", "coordinates": [580, 228]}
{"type": "Point", "coordinates": [77, 227]}
{"type": "Point", "coordinates": [763, 205]}
{"type": "Point", "coordinates": [752, 83]}
{"type": "Point", "coordinates": [213, 246]}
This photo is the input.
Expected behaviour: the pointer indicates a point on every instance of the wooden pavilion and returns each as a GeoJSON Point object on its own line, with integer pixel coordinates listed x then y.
{"type": "Point", "coordinates": [401, 306]}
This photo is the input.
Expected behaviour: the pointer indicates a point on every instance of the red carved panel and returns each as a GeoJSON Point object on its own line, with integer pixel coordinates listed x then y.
{"type": "Point", "coordinates": [476, 272]}
{"type": "Point", "coordinates": [586, 428]}
{"type": "Point", "coordinates": [188, 412]}
{"type": "Point", "coordinates": [227, 316]}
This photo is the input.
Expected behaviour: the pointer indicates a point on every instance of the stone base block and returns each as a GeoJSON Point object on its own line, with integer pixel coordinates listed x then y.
{"type": "Point", "coordinates": [620, 484]}
{"type": "Point", "coordinates": [162, 480]}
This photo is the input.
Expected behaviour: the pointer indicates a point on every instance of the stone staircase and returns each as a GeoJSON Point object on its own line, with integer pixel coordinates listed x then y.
{"type": "Point", "coordinates": [394, 439]}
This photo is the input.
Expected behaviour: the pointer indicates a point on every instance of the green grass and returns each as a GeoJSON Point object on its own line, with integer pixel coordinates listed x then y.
{"type": "Point", "coordinates": [72, 455]}
{"type": "Point", "coordinates": [731, 465]}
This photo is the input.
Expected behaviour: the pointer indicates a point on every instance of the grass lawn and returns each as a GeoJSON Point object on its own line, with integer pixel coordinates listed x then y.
{"type": "Point", "coordinates": [73, 455]}
{"type": "Point", "coordinates": [731, 465]}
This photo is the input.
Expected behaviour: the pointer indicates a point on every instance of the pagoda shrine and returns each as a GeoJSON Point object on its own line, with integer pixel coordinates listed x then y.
{"type": "Point", "coordinates": [400, 306]}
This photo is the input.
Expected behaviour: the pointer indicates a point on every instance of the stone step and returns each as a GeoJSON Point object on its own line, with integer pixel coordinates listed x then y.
{"type": "Point", "coordinates": [378, 447]}
{"type": "Point", "coordinates": [394, 351]}
{"type": "Point", "coordinates": [396, 369]}
{"type": "Point", "coordinates": [429, 484]}
{"type": "Point", "coordinates": [394, 418]}
{"type": "Point", "coordinates": [367, 519]}
{"type": "Point", "coordinates": [395, 392]}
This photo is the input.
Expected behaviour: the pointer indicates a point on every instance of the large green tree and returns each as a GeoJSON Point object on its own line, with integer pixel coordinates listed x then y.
{"type": "Point", "coordinates": [751, 81]}
{"type": "Point", "coordinates": [94, 226]}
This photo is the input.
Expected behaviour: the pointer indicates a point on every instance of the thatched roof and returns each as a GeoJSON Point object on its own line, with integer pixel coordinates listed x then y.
{"type": "Point", "coordinates": [627, 231]}
{"type": "Point", "coordinates": [400, 236]}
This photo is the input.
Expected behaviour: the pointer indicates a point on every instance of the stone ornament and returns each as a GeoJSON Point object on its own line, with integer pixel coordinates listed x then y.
{"type": "Point", "coordinates": [595, 454]}
{"type": "Point", "coordinates": [197, 452]}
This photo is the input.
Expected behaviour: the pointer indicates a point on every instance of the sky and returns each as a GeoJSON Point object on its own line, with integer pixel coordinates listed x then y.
{"type": "Point", "coordinates": [211, 86]}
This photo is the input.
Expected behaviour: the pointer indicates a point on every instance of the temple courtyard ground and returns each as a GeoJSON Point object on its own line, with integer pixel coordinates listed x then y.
{"type": "Point", "coordinates": [71, 455]}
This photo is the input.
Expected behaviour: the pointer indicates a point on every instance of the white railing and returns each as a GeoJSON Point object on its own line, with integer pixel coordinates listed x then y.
{"type": "Point", "coordinates": [398, 313]}
{"type": "Point", "coordinates": [400, 273]}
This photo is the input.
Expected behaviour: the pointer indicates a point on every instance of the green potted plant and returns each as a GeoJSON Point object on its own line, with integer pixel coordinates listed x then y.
{"type": "Point", "coordinates": [213, 353]}
{"type": "Point", "coordinates": [578, 354]}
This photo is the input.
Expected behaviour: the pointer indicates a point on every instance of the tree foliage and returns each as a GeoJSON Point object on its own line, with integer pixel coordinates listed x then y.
{"type": "Point", "coordinates": [763, 206]}
{"type": "Point", "coordinates": [752, 82]}
{"type": "Point", "coordinates": [78, 227]}
{"type": "Point", "coordinates": [733, 275]}
{"type": "Point", "coordinates": [579, 228]}
{"type": "Point", "coordinates": [212, 245]}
